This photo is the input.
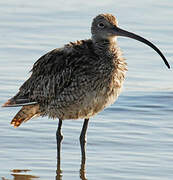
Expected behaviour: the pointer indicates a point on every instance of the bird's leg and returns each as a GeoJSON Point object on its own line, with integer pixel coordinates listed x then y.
{"type": "Point", "coordinates": [59, 138]}
{"type": "Point", "coordinates": [83, 140]}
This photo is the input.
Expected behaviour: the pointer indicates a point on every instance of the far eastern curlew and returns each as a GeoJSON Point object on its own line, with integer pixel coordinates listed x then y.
{"type": "Point", "coordinates": [78, 80]}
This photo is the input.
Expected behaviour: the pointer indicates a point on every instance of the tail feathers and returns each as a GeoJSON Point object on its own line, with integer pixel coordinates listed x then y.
{"type": "Point", "coordinates": [17, 102]}
{"type": "Point", "coordinates": [26, 113]}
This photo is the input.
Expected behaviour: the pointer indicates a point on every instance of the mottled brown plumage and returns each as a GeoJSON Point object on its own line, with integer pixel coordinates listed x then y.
{"type": "Point", "coordinates": [78, 80]}
{"type": "Point", "coordinates": [26, 113]}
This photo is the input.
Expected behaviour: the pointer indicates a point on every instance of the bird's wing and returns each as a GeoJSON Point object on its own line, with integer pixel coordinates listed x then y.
{"type": "Point", "coordinates": [39, 85]}
{"type": "Point", "coordinates": [51, 76]}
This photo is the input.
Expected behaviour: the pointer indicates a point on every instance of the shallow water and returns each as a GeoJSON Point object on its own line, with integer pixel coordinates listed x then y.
{"type": "Point", "coordinates": [132, 139]}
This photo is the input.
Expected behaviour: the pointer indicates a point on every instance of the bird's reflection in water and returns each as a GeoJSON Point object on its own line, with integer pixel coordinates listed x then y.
{"type": "Point", "coordinates": [82, 169]}
{"type": "Point", "coordinates": [17, 176]}
{"type": "Point", "coordinates": [82, 172]}
{"type": "Point", "coordinates": [59, 175]}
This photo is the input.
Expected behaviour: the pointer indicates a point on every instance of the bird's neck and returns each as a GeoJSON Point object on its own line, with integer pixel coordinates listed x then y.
{"type": "Point", "coordinates": [109, 52]}
{"type": "Point", "coordinates": [106, 47]}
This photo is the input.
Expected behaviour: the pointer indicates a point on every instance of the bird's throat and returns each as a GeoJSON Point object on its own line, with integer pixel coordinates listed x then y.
{"type": "Point", "coordinates": [106, 47]}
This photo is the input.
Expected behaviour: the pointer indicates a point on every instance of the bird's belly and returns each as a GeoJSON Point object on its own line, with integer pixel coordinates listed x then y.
{"type": "Point", "coordinates": [90, 105]}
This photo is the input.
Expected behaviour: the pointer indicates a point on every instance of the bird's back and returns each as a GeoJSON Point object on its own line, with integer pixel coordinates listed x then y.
{"type": "Point", "coordinates": [74, 81]}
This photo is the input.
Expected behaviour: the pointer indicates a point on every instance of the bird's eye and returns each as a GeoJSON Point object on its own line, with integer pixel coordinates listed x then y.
{"type": "Point", "coordinates": [101, 25]}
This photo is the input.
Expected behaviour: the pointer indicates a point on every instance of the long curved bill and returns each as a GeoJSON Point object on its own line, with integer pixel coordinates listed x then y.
{"type": "Point", "coordinates": [121, 32]}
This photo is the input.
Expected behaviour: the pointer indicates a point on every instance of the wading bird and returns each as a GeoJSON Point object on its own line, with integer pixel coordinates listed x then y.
{"type": "Point", "coordinates": [78, 80]}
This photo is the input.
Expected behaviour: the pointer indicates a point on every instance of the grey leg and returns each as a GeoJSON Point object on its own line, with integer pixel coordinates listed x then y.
{"type": "Point", "coordinates": [83, 140]}
{"type": "Point", "coordinates": [59, 138]}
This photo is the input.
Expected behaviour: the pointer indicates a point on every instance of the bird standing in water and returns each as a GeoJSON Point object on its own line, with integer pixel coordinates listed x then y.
{"type": "Point", "coordinates": [78, 80]}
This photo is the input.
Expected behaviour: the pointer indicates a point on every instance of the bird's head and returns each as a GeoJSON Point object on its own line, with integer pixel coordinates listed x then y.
{"type": "Point", "coordinates": [105, 27]}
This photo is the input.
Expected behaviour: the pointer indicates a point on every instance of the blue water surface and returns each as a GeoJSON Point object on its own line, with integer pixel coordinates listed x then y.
{"type": "Point", "coordinates": [130, 140]}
